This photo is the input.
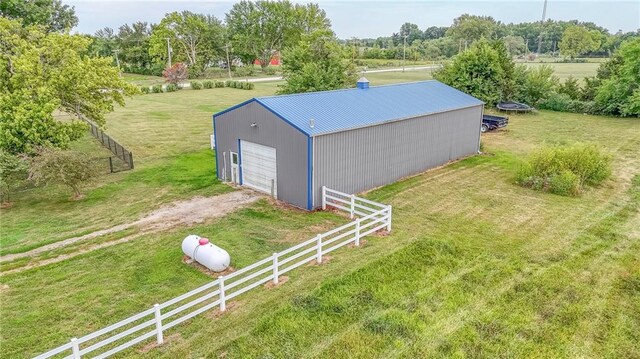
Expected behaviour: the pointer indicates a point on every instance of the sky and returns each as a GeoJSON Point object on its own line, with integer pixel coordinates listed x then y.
{"type": "Point", "coordinates": [372, 18]}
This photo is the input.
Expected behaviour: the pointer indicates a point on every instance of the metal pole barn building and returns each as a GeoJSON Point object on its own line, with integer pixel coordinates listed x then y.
{"type": "Point", "coordinates": [351, 140]}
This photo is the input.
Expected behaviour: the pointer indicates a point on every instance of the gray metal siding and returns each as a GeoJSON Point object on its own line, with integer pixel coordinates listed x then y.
{"type": "Point", "coordinates": [361, 159]}
{"type": "Point", "coordinates": [290, 145]}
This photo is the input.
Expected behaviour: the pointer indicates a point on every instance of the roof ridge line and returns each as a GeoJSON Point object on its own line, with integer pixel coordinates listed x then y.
{"type": "Point", "coordinates": [345, 89]}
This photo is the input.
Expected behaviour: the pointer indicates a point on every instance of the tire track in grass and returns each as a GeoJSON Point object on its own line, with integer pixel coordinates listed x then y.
{"type": "Point", "coordinates": [463, 269]}
{"type": "Point", "coordinates": [501, 289]}
{"type": "Point", "coordinates": [599, 248]}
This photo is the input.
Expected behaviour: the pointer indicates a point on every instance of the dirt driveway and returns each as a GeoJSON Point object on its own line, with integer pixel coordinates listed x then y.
{"type": "Point", "coordinates": [186, 212]}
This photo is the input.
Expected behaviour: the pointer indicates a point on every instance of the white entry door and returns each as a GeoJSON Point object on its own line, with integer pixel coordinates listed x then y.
{"type": "Point", "coordinates": [258, 167]}
{"type": "Point", "coordinates": [235, 177]}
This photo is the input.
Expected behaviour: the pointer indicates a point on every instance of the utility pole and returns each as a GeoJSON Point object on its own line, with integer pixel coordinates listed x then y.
{"type": "Point", "coordinates": [226, 47]}
{"type": "Point", "coordinates": [544, 14]}
{"type": "Point", "coordinates": [404, 52]}
{"type": "Point", "coordinates": [168, 51]}
{"type": "Point", "coordinates": [116, 51]}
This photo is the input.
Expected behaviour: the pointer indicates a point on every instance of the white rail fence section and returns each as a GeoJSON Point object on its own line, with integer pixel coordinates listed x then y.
{"type": "Point", "coordinates": [154, 322]}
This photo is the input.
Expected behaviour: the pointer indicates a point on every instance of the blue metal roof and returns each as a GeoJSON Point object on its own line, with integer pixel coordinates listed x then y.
{"type": "Point", "coordinates": [339, 110]}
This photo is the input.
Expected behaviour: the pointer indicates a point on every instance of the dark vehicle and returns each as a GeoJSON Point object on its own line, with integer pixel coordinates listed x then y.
{"type": "Point", "coordinates": [514, 106]}
{"type": "Point", "coordinates": [490, 122]}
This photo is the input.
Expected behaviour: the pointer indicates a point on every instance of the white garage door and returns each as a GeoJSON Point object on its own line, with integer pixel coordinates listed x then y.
{"type": "Point", "coordinates": [258, 164]}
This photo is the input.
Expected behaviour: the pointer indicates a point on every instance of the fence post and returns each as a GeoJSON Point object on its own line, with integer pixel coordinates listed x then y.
{"type": "Point", "coordinates": [319, 248]}
{"type": "Point", "coordinates": [275, 268]}
{"type": "Point", "coordinates": [130, 160]}
{"type": "Point", "coordinates": [324, 198]}
{"type": "Point", "coordinates": [110, 165]}
{"type": "Point", "coordinates": [223, 301]}
{"type": "Point", "coordinates": [353, 205]}
{"type": "Point", "coordinates": [389, 218]}
{"type": "Point", "coordinates": [75, 348]}
{"type": "Point", "coordinates": [159, 335]}
{"type": "Point", "coordinates": [357, 232]}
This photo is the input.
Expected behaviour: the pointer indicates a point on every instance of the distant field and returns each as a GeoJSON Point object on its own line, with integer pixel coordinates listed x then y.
{"type": "Point", "coordinates": [564, 70]}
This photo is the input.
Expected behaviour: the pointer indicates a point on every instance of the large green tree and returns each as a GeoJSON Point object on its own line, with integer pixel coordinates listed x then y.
{"type": "Point", "coordinates": [472, 27]}
{"type": "Point", "coordinates": [316, 64]}
{"type": "Point", "coordinates": [51, 14]}
{"type": "Point", "coordinates": [577, 40]}
{"type": "Point", "coordinates": [259, 28]}
{"type": "Point", "coordinates": [482, 71]}
{"type": "Point", "coordinates": [44, 73]}
{"type": "Point", "coordinates": [195, 39]}
{"type": "Point", "coordinates": [619, 91]}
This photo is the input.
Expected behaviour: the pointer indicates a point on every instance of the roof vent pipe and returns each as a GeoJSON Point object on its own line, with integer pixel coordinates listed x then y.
{"type": "Point", "coordinates": [362, 83]}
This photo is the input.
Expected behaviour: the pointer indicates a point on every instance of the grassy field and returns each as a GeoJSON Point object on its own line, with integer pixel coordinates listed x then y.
{"type": "Point", "coordinates": [564, 70]}
{"type": "Point", "coordinates": [475, 266]}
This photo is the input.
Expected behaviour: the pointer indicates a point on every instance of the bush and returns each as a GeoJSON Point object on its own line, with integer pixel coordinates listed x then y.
{"type": "Point", "coordinates": [245, 71]}
{"type": "Point", "coordinates": [67, 168]}
{"type": "Point", "coordinates": [269, 71]}
{"type": "Point", "coordinates": [565, 183]}
{"type": "Point", "coordinates": [556, 102]}
{"type": "Point", "coordinates": [13, 172]}
{"type": "Point", "coordinates": [208, 84]}
{"type": "Point", "coordinates": [145, 89]}
{"type": "Point", "coordinates": [176, 73]}
{"type": "Point", "coordinates": [172, 88]}
{"type": "Point", "coordinates": [195, 85]}
{"type": "Point", "coordinates": [157, 89]}
{"type": "Point", "coordinates": [565, 170]}
{"type": "Point", "coordinates": [219, 84]}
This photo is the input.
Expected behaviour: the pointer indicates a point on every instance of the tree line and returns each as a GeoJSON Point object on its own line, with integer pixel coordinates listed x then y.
{"type": "Point", "coordinates": [488, 72]}
{"type": "Point", "coordinates": [252, 30]}
{"type": "Point", "coordinates": [567, 38]}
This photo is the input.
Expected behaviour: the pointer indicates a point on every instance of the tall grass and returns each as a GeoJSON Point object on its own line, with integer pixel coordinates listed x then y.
{"type": "Point", "coordinates": [565, 170]}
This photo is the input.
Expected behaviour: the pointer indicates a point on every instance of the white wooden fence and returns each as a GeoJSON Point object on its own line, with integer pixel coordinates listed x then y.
{"type": "Point", "coordinates": [156, 320]}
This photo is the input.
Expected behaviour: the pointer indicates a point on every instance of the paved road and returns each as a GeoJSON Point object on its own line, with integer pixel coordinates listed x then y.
{"type": "Point", "coordinates": [279, 78]}
{"type": "Point", "coordinates": [396, 69]}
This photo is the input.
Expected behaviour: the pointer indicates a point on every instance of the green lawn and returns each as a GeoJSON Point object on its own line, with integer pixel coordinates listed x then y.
{"type": "Point", "coordinates": [564, 70]}
{"type": "Point", "coordinates": [475, 267]}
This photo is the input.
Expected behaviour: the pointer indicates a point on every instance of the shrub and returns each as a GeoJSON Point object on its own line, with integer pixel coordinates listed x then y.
{"type": "Point", "coordinates": [145, 89]}
{"type": "Point", "coordinates": [156, 89]}
{"type": "Point", "coordinates": [172, 88]}
{"type": "Point", "coordinates": [219, 84]}
{"type": "Point", "coordinates": [195, 85]}
{"type": "Point", "coordinates": [269, 70]}
{"type": "Point", "coordinates": [565, 183]}
{"type": "Point", "coordinates": [176, 73]}
{"type": "Point", "coordinates": [245, 71]}
{"type": "Point", "coordinates": [208, 84]}
{"type": "Point", "coordinates": [570, 88]}
{"type": "Point", "coordinates": [13, 172]}
{"type": "Point", "coordinates": [565, 170]}
{"type": "Point", "coordinates": [67, 168]}
{"type": "Point", "coordinates": [556, 102]}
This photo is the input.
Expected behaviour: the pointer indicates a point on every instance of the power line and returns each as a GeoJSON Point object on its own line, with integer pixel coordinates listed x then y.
{"type": "Point", "coordinates": [544, 14]}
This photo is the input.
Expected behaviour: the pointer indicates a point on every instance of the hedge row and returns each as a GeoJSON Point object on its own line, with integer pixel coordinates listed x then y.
{"type": "Point", "coordinates": [196, 85]}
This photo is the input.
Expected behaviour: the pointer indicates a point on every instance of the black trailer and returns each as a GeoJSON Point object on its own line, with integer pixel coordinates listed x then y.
{"type": "Point", "coordinates": [490, 122]}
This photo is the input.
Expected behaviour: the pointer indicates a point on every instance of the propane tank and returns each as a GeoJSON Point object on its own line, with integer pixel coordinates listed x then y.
{"type": "Point", "coordinates": [206, 253]}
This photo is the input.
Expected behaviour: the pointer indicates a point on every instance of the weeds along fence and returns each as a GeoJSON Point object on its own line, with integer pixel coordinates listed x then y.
{"type": "Point", "coordinates": [117, 149]}
{"type": "Point", "coordinates": [156, 321]}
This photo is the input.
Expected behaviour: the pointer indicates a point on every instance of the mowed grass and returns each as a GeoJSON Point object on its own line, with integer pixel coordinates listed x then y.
{"type": "Point", "coordinates": [564, 70]}
{"type": "Point", "coordinates": [475, 267]}
{"type": "Point", "coordinates": [169, 136]}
